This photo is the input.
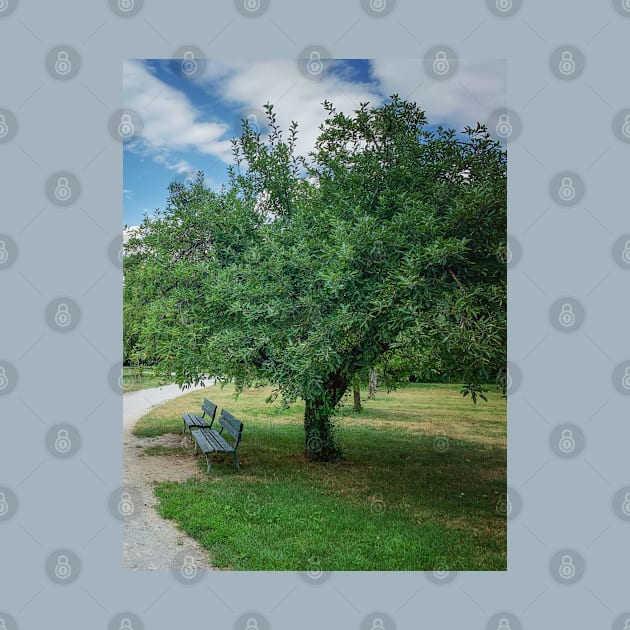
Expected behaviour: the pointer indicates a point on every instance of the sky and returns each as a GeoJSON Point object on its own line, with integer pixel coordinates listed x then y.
{"type": "Point", "coordinates": [188, 123]}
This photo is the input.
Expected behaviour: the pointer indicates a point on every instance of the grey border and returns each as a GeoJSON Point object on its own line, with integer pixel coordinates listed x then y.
{"type": "Point", "coordinates": [565, 503]}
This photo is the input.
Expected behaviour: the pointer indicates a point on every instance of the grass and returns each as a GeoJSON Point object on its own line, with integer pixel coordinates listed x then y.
{"type": "Point", "coordinates": [423, 474]}
{"type": "Point", "coordinates": [135, 378]}
{"type": "Point", "coordinates": [177, 451]}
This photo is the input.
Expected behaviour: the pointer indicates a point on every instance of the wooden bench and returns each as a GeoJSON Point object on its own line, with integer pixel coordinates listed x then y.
{"type": "Point", "coordinates": [192, 420]}
{"type": "Point", "coordinates": [208, 440]}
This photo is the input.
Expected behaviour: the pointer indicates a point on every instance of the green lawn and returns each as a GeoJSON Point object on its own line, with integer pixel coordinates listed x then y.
{"type": "Point", "coordinates": [135, 378]}
{"type": "Point", "coordinates": [424, 471]}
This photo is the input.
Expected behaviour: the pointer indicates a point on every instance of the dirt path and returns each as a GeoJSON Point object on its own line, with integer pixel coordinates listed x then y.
{"type": "Point", "coordinates": [151, 543]}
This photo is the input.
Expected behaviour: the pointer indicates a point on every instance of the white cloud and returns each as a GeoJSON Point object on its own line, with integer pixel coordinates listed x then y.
{"type": "Point", "coordinates": [250, 85]}
{"type": "Point", "coordinates": [468, 97]}
{"type": "Point", "coordinates": [173, 124]}
{"type": "Point", "coordinates": [465, 99]}
{"type": "Point", "coordinates": [173, 164]}
{"type": "Point", "coordinates": [170, 122]}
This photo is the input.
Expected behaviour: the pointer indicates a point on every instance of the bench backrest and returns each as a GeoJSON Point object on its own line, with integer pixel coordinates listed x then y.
{"type": "Point", "coordinates": [209, 409]}
{"type": "Point", "coordinates": [233, 426]}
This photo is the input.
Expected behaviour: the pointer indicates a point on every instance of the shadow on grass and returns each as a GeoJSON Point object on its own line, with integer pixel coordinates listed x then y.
{"type": "Point", "coordinates": [417, 493]}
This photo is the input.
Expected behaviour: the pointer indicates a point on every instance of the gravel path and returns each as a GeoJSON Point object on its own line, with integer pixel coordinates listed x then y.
{"type": "Point", "coordinates": [150, 542]}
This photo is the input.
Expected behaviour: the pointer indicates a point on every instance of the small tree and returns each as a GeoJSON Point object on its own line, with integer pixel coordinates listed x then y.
{"type": "Point", "coordinates": [308, 270]}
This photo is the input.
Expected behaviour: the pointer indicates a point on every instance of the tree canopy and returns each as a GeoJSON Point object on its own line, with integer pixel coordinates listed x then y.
{"type": "Point", "coordinates": [384, 245]}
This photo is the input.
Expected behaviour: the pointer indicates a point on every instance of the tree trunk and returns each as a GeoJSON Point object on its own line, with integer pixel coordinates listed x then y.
{"type": "Point", "coordinates": [356, 393]}
{"type": "Point", "coordinates": [321, 445]}
{"type": "Point", "coordinates": [373, 380]}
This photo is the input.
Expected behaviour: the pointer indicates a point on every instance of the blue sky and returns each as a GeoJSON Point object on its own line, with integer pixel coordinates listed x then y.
{"type": "Point", "coordinates": [188, 123]}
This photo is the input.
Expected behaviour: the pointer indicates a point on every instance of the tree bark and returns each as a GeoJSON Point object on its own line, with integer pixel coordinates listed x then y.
{"type": "Point", "coordinates": [373, 382]}
{"type": "Point", "coordinates": [321, 445]}
{"type": "Point", "coordinates": [356, 393]}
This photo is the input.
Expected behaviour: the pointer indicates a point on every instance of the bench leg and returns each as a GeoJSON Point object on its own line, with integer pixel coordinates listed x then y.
{"type": "Point", "coordinates": [208, 462]}
{"type": "Point", "coordinates": [236, 461]}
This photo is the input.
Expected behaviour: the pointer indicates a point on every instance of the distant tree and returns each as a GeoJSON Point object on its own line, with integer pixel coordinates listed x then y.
{"type": "Point", "coordinates": [381, 246]}
{"type": "Point", "coordinates": [373, 382]}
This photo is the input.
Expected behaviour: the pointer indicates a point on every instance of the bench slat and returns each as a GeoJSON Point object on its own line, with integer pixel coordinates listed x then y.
{"type": "Point", "coordinates": [220, 442]}
{"type": "Point", "coordinates": [194, 420]}
{"type": "Point", "coordinates": [209, 409]}
{"type": "Point", "coordinates": [211, 441]}
{"type": "Point", "coordinates": [202, 441]}
{"type": "Point", "coordinates": [233, 426]}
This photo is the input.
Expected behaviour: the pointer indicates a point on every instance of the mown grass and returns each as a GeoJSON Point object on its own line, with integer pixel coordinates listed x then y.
{"type": "Point", "coordinates": [135, 378]}
{"type": "Point", "coordinates": [420, 487]}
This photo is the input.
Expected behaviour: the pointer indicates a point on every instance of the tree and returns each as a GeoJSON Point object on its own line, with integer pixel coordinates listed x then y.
{"type": "Point", "coordinates": [372, 384]}
{"type": "Point", "coordinates": [384, 242]}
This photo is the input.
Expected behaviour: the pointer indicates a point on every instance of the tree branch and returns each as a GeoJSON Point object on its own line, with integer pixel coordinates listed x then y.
{"type": "Point", "coordinates": [459, 284]}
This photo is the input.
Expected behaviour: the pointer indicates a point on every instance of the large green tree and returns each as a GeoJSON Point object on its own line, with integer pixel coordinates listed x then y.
{"type": "Point", "coordinates": [384, 243]}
